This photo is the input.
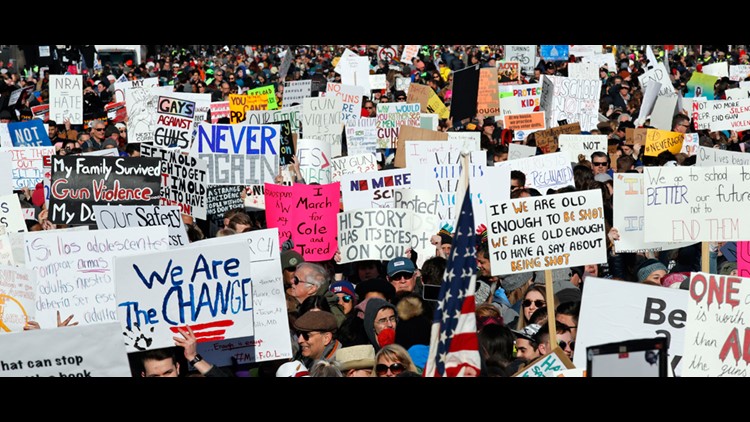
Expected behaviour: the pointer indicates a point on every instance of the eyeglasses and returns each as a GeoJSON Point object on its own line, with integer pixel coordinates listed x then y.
{"type": "Point", "coordinates": [396, 368]}
{"type": "Point", "coordinates": [401, 99]}
{"type": "Point", "coordinates": [538, 303]}
{"type": "Point", "coordinates": [298, 281]}
{"type": "Point", "coordinates": [382, 321]}
{"type": "Point", "coordinates": [307, 334]}
{"type": "Point", "coordinates": [564, 344]}
{"type": "Point", "coordinates": [683, 124]}
{"type": "Point", "coordinates": [400, 276]}
{"type": "Point", "coordinates": [346, 298]}
{"type": "Point", "coordinates": [599, 164]}
{"type": "Point", "coordinates": [101, 129]}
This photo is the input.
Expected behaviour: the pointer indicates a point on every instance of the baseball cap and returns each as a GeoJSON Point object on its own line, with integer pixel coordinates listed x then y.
{"type": "Point", "coordinates": [400, 265]}
{"type": "Point", "coordinates": [528, 332]}
{"type": "Point", "coordinates": [290, 259]}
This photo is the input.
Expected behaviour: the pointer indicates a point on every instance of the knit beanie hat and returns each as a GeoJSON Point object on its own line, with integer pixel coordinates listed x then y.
{"type": "Point", "coordinates": [649, 266]}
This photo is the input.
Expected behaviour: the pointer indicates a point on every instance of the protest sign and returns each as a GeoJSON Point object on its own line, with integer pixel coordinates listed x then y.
{"type": "Point", "coordinates": [374, 233]}
{"type": "Point", "coordinates": [519, 99]}
{"type": "Point", "coordinates": [742, 256]}
{"type": "Point", "coordinates": [662, 140]}
{"type": "Point", "coordinates": [32, 133]}
{"type": "Point", "coordinates": [739, 72]}
{"type": "Point", "coordinates": [66, 98]}
{"type": "Point", "coordinates": [267, 117]}
{"type": "Point", "coordinates": [122, 86]}
{"type": "Point", "coordinates": [6, 173]}
{"type": "Point", "coordinates": [353, 163]}
{"type": "Point", "coordinates": [42, 111]}
{"type": "Point", "coordinates": [429, 121]}
{"type": "Point", "coordinates": [546, 232]}
{"type": "Point", "coordinates": [628, 217]}
{"type": "Point", "coordinates": [543, 172]}
{"type": "Point", "coordinates": [109, 152]}
{"type": "Point", "coordinates": [708, 157]}
{"type": "Point", "coordinates": [123, 216]}
{"type": "Point", "coordinates": [549, 365]}
{"type": "Point", "coordinates": [727, 114]}
{"type": "Point", "coordinates": [390, 118]}
{"type": "Point", "coordinates": [555, 53]}
{"type": "Point", "coordinates": [583, 71]}
{"type": "Point", "coordinates": [696, 203]}
{"type": "Point", "coordinates": [716, 326]}
{"type": "Point", "coordinates": [638, 311]}
{"type": "Point", "coordinates": [74, 270]}
{"type": "Point", "coordinates": [467, 141]}
{"type": "Point", "coordinates": [488, 186]}
{"type": "Point", "coordinates": [372, 189]}
{"type": "Point", "coordinates": [255, 197]}
{"type": "Point", "coordinates": [361, 136]}
{"type": "Point", "coordinates": [80, 182]}
{"type": "Point", "coordinates": [321, 120]}
{"type": "Point", "coordinates": [648, 102]}
{"type": "Point", "coordinates": [350, 96]}
{"type": "Point", "coordinates": [11, 217]}
{"type": "Point", "coordinates": [311, 224]}
{"type": "Point", "coordinates": [507, 73]}
{"type": "Point", "coordinates": [718, 69]}
{"type": "Point", "coordinates": [295, 92]}
{"type": "Point", "coordinates": [690, 144]}
{"type": "Point", "coordinates": [524, 54]}
{"type": "Point", "coordinates": [584, 50]}
{"type": "Point", "coordinates": [658, 74]}
{"type": "Point", "coordinates": [516, 151]}
{"type": "Point", "coordinates": [271, 339]}
{"type": "Point", "coordinates": [601, 60]}
{"type": "Point", "coordinates": [261, 98]}
{"type": "Point", "coordinates": [427, 99]}
{"type": "Point", "coordinates": [378, 81]}
{"type": "Point", "coordinates": [524, 124]}
{"type": "Point", "coordinates": [582, 144]}
{"type": "Point", "coordinates": [354, 70]}
{"type": "Point", "coordinates": [239, 154]}
{"type": "Point", "coordinates": [116, 112]}
{"type": "Point", "coordinates": [174, 122]}
{"type": "Point", "coordinates": [663, 112]}
{"type": "Point", "coordinates": [5, 141]}
{"type": "Point", "coordinates": [465, 90]}
{"type": "Point", "coordinates": [409, 52]}
{"type": "Point", "coordinates": [736, 94]}
{"type": "Point", "coordinates": [314, 159]}
{"type": "Point", "coordinates": [220, 199]}
{"type": "Point", "coordinates": [142, 106]}
{"type": "Point", "coordinates": [6, 248]}
{"type": "Point", "coordinates": [700, 114]}
{"type": "Point", "coordinates": [488, 102]}
{"type": "Point", "coordinates": [431, 152]}
{"type": "Point", "coordinates": [286, 142]}
{"type": "Point", "coordinates": [403, 84]}
{"type": "Point", "coordinates": [701, 85]}
{"type": "Point", "coordinates": [17, 295]}
{"type": "Point", "coordinates": [426, 223]}
{"type": "Point", "coordinates": [574, 100]}
{"type": "Point", "coordinates": [547, 140]}
{"type": "Point", "coordinates": [286, 61]}
{"type": "Point", "coordinates": [84, 351]}
{"type": "Point", "coordinates": [414, 133]}
{"type": "Point", "coordinates": [219, 110]}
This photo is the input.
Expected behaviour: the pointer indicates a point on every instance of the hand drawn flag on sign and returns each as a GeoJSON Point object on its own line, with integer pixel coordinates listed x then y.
{"type": "Point", "coordinates": [453, 342]}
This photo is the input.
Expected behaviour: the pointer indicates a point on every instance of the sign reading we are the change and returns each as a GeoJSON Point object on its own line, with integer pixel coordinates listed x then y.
{"type": "Point", "coordinates": [716, 326]}
{"type": "Point", "coordinates": [696, 203]}
{"type": "Point", "coordinates": [17, 296]}
{"type": "Point", "coordinates": [239, 154]}
{"type": "Point", "coordinates": [546, 232]}
{"type": "Point", "coordinates": [122, 216]}
{"type": "Point", "coordinates": [74, 270]}
{"type": "Point", "coordinates": [78, 351]}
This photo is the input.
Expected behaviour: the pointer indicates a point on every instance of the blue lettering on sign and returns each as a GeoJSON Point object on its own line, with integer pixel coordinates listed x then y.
{"type": "Point", "coordinates": [239, 139]}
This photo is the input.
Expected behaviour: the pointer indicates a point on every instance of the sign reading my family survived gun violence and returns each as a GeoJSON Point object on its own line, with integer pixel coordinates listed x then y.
{"type": "Point", "coordinates": [80, 182]}
{"type": "Point", "coordinates": [546, 232]}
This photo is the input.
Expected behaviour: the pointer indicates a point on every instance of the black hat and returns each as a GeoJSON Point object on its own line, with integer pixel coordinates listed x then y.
{"type": "Point", "coordinates": [375, 285]}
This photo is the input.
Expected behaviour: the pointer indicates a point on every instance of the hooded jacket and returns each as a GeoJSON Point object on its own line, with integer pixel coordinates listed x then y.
{"type": "Point", "coordinates": [373, 306]}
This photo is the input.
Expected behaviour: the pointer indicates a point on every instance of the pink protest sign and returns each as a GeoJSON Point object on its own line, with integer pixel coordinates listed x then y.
{"type": "Point", "coordinates": [743, 259]}
{"type": "Point", "coordinates": [307, 215]}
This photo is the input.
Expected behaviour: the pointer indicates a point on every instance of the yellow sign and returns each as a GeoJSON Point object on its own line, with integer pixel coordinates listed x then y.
{"type": "Point", "coordinates": [662, 140]}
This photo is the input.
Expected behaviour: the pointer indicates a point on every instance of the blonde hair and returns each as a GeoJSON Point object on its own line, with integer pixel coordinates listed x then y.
{"type": "Point", "coordinates": [396, 353]}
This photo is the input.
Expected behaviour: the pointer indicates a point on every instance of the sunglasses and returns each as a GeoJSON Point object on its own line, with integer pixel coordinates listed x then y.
{"type": "Point", "coordinates": [564, 344]}
{"type": "Point", "coordinates": [399, 276]}
{"type": "Point", "coordinates": [369, 108]}
{"type": "Point", "coordinates": [401, 98]}
{"type": "Point", "coordinates": [346, 298]}
{"type": "Point", "coordinates": [396, 368]}
{"type": "Point", "coordinates": [599, 164]}
{"type": "Point", "coordinates": [307, 334]}
{"type": "Point", "coordinates": [538, 303]}
{"type": "Point", "coordinates": [298, 281]}
{"type": "Point", "coordinates": [99, 130]}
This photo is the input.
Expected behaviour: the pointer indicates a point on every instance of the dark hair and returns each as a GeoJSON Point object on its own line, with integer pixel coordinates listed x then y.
{"type": "Point", "coordinates": [131, 148]}
{"type": "Point", "coordinates": [496, 345]}
{"type": "Point", "coordinates": [159, 354]}
{"type": "Point", "coordinates": [433, 269]}
{"type": "Point", "coordinates": [313, 302]}
{"type": "Point", "coordinates": [572, 309]}
{"type": "Point", "coordinates": [518, 175]}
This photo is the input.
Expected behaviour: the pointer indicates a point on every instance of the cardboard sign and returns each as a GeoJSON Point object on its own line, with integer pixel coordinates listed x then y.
{"type": "Point", "coordinates": [122, 216]}
{"type": "Point", "coordinates": [717, 329]}
{"type": "Point", "coordinates": [524, 54]}
{"type": "Point", "coordinates": [427, 99]}
{"type": "Point", "coordinates": [728, 114]}
{"type": "Point", "coordinates": [314, 158]}
{"type": "Point", "coordinates": [295, 92]}
{"type": "Point", "coordinates": [695, 204]}
{"type": "Point", "coordinates": [361, 135]}
{"type": "Point", "coordinates": [547, 140]}
{"type": "Point", "coordinates": [546, 232]}
{"type": "Point", "coordinates": [372, 189]}
{"type": "Point", "coordinates": [80, 182]}
{"type": "Point", "coordinates": [311, 224]}
{"type": "Point", "coordinates": [638, 311]}
{"type": "Point", "coordinates": [662, 140]}
{"type": "Point", "coordinates": [66, 98]}
{"type": "Point", "coordinates": [82, 351]}
{"type": "Point", "coordinates": [239, 154]}
{"type": "Point", "coordinates": [414, 133]}
{"type": "Point", "coordinates": [582, 144]}
{"type": "Point", "coordinates": [549, 365]}
{"type": "Point", "coordinates": [141, 103]}
{"type": "Point", "coordinates": [543, 172]}
{"type": "Point", "coordinates": [219, 110]}
{"type": "Point", "coordinates": [628, 216]}
{"type": "Point", "coordinates": [74, 270]}
{"type": "Point", "coordinates": [524, 124]}
{"type": "Point", "coordinates": [321, 120]}
{"type": "Point", "coordinates": [488, 102]}
{"type": "Point", "coordinates": [709, 157]}
{"type": "Point", "coordinates": [359, 163]}
{"type": "Point", "coordinates": [11, 216]}
{"type": "Point", "coordinates": [351, 99]}
{"type": "Point", "coordinates": [18, 293]}
{"type": "Point", "coordinates": [390, 118]}
{"type": "Point", "coordinates": [374, 233]}
{"type": "Point", "coordinates": [32, 133]}
{"type": "Point", "coordinates": [465, 90]}
{"type": "Point", "coordinates": [574, 100]}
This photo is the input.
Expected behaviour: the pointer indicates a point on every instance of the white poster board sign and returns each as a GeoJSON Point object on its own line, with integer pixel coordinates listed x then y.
{"type": "Point", "coordinates": [524, 54]}
{"type": "Point", "coordinates": [122, 216]}
{"type": "Point", "coordinates": [582, 144]}
{"type": "Point", "coordinates": [516, 151]}
{"type": "Point", "coordinates": [28, 165]}
{"type": "Point", "coordinates": [709, 157]}
{"type": "Point", "coordinates": [543, 172]}
{"type": "Point", "coordinates": [314, 159]}
{"type": "Point", "coordinates": [426, 223]}
{"type": "Point", "coordinates": [141, 105]}
{"type": "Point", "coordinates": [361, 137]}
{"type": "Point", "coordinates": [6, 173]}
{"type": "Point", "coordinates": [66, 98]}
{"type": "Point", "coordinates": [719, 69]}
{"type": "Point", "coordinates": [321, 119]}
{"type": "Point", "coordinates": [583, 71]}
{"type": "Point", "coordinates": [728, 114]}
{"type": "Point", "coordinates": [295, 92]}
{"type": "Point", "coordinates": [638, 311]}
{"type": "Point", "coordinates": [373, 189]}
{"type": "Point", "coordinates": [350, 96]}
{"type": "Point", "coordinates": [17, 295]}
{"type": "Point", "coordinates": [359, 163]}
{"type": "Point", "coordinates": [11, 216]}
{"type": "Point", "coordinates": [574, 100]}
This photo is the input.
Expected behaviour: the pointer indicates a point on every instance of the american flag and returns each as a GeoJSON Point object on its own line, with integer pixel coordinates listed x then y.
{"type": "Point", "coordinates": [454, 347]}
